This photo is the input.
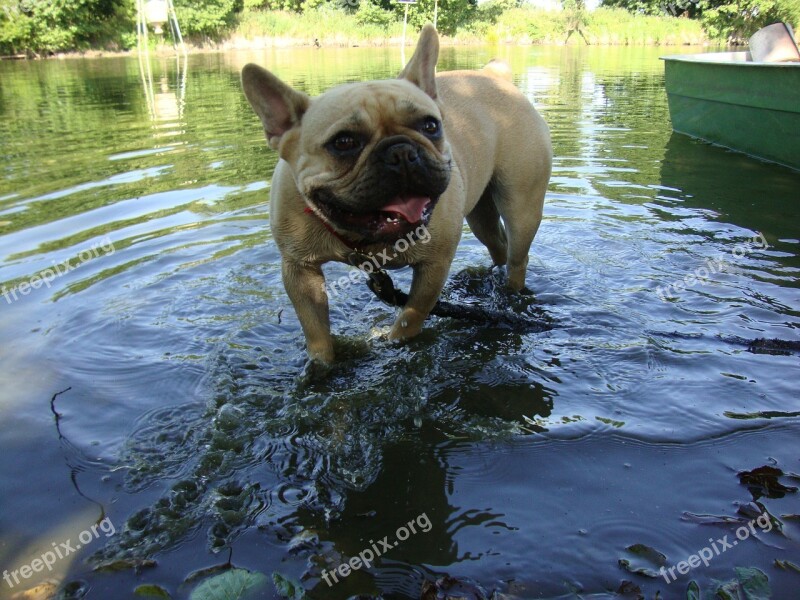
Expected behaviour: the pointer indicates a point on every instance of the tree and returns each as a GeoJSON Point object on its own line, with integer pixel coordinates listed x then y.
{"type": "Point", "coordinates": [52, 25]}
{"type": "Point", "coordinates": [737, 21]}
{"type": "Point", "coordinates": [733, 20]}
{"type": "Point", "coordinates": [206, 17]}
{"type": "Point", "coordinates": [451, 13]}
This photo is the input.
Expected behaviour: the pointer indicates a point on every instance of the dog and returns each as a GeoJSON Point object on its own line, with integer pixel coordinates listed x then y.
{"type": "Point", "coordinates": [367, 165]}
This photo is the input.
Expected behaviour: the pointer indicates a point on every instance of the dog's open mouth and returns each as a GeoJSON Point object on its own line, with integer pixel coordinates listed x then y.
{"type": "Point", "coordinates": [395, 219]}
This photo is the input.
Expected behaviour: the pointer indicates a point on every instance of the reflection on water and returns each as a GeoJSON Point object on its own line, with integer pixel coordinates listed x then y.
{"type": "Point", "coordinates": [187, 417]}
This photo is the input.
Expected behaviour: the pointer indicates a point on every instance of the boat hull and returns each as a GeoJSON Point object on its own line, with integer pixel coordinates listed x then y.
{"type": "Point", "coordinates": [749, 107]}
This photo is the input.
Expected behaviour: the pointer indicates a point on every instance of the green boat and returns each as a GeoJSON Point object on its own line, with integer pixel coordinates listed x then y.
{"type": "Point", "coordinates": [728, 99]}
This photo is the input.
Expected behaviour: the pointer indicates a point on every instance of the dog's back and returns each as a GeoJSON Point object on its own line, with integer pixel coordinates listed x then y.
{"type": "Point", "coordinates": [501, 146]}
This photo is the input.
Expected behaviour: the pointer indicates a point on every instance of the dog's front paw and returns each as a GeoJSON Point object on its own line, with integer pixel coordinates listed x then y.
{"type": "Point", "coordinates": [408, 324]}
{"type": "Point", "coordinates": [322, 353]}
{"type": "Point", "coordinates": [313, 372]}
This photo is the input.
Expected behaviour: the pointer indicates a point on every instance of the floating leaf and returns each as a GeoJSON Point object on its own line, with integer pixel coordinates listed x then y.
{"type": "Point", "coordinates": [287, 588]}
{"type": "Point", "coordinates": [651, 559]}
{"type": "Point", "coordinates": [787, 565]}
{"type": "Point", "coordinates": [763, 481]}
{"type": "Point", "coordinates": [705, 519]}
{"type": "Point", "coordinates": [137, 564]}
{"type": "Point", "coordinates": [763, 414]}
{"type": "Point", "coordinates": [151, 590]}
{"type": "Point", "coordinates": [235, 584]}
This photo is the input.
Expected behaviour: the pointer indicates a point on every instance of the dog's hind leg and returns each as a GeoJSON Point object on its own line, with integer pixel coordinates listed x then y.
{"type": "Point", "coordinates": [484, 221]}
{"type": "Point", "coordinates": [520, 206]}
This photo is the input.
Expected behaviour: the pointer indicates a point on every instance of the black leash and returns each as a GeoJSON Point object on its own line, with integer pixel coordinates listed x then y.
{"type": "Point", "coordinates": [381, 284]}
{"type": "Point", "coordinates": [384, 289]}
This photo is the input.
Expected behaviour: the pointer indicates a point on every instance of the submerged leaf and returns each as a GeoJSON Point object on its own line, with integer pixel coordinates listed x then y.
{"type": "Point", "coordinates": [236, 584]}
{"type": "Point", "coordinates": [452, 588]}
{"type": "Point", "coordinates": [754, 583]}
{"type": "Point", "coordinates": [287, 588]}
{"type": "Point", "coordinates": [693, 591]}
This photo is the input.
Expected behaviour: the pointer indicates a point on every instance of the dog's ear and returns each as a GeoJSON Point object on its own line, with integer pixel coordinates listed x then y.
{"type": "Point", "coordinates": [279, 106]}
{"type": "Point", "coordinates": [421, 69]}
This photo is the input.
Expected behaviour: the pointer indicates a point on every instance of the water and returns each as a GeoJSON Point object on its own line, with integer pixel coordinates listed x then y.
{"type": "Point", "coordinates": [160, 382]}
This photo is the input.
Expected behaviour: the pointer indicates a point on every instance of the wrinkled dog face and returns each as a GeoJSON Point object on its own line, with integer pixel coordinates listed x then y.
{"type": "Point", "coordinates": [371, 158]}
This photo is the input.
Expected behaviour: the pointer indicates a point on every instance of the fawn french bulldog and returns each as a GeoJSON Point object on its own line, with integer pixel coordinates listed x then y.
{"type": "Point", "coordinates": [365, 164]}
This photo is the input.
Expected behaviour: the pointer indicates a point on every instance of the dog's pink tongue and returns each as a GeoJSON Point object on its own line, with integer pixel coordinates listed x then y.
{"type": "Point", "coordinates": [408, 207]}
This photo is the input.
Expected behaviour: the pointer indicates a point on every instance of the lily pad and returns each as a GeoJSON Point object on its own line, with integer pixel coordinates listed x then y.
{"type": "Point", "coordinates": [236, 584]}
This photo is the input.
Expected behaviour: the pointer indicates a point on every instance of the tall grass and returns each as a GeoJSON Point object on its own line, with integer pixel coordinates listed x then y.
{"type": "Point", "coordinates": [328, 25]}
{"type": "Point", "coordinates": [618, 26]}
{"type": "Point", "coordinates": [332, 26]}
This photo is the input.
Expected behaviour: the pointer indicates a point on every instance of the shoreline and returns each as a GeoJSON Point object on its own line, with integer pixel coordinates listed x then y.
{"type": "Point", "coordinates": [261, 43]}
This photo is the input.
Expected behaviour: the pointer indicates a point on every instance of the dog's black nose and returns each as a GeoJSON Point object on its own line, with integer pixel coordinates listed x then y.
{"type": "Point", "coordinates": [400, 154]}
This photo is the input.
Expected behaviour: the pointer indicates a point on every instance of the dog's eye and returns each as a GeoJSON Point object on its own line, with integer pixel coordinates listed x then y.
{"type": "Point", "coordinates": [431, 127]}
{"type": "Point", "coordinates": [345, 143]}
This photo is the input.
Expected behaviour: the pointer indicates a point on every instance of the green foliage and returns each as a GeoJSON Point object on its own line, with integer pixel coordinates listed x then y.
{"type": "Point", "coordinates": [44, 26]}
{"type": "Point", "coordinates": [372, 14]}
{"type": "Point", "coordinates": [736, 21]}
{"type": "Point", "coordinates": [730, 20]}
{"type": "Point", "coordinates": [533, 26]}
{"type": "Point", "coordinates": [328, 23]}
{"type": "Point", "coordinates": [451, 14]}
{"type": "Point", "coordinates": [616, 26]}
{"type": "Point", "coordinates": [206, 17]}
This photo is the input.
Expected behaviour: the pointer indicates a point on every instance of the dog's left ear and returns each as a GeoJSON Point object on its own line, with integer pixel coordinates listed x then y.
{"type": "Point", "coordinates": [421, 69]}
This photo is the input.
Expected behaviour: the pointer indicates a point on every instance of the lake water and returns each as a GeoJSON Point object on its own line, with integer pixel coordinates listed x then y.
{"type": "Point", "coordinates": [152, 374]}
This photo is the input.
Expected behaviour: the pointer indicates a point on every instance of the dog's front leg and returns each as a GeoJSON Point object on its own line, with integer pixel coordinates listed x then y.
{"type": "Point", "coordinates": [426, 285]}
{"type": "Point", "coordinates": [305, 285]}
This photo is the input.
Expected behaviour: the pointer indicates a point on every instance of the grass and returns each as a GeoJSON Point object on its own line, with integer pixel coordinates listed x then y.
{"type": "Point", "coordinates": [330, 26]}
{"type": "Point", "coordinates": [334, 27]}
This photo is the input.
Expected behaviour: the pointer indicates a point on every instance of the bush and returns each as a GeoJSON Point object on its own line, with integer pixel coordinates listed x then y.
{"type": "Point", "coordinates": [370, 14]}
{"type": "Point", "coordinates": [205, 17]}
{"type": "Point", "coordinates": [44, 26]}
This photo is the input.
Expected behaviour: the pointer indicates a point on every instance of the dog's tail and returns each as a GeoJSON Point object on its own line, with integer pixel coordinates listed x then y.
{"type": "Point", "coordinates": [498, 68]}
